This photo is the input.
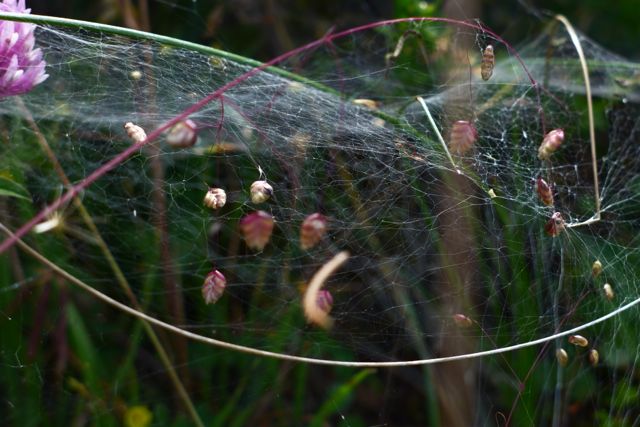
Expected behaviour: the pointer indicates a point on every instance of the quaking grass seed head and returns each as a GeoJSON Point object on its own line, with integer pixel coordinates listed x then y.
{"type": "Point", "coordinates": [462, 321]}
{"type": "Point", "coordinates": [608, 292]}
{"type": "Point", "coordinates": [488, 63]}
{"type": "Point", "coordinates": [555, 225]}
{"type": "Point", "coordinates": [215, 198]}
{"type": "Point", "coordinates": [312, 230]}
{"type": "Point", "coordinates": [213, 287]}
{"type": "Point", "coordinates": [596, 268]}
{"type": "Point", "coordinates": [183, 134]}
{"type": "Point", "coordinates": [544, 192]}
{"type": "Point", "coordinates": [261, 191]}
{"type": "Point", "coordinates": [463, 137]}
{"type": "Point", "coordinates": [135, 132]}
{"type": "Point", "coordinates": [550, 144]}
{"type": "Point", "coordinates": [594, 357]}
{"type": "Point", "coordinates": [324, 300]}
{"type": "Point", "coordinates": [256, 229]}
{"type": "Point", "coordinates": [562, 357]}
{"type": "Point", "coordinates": [578, 340]}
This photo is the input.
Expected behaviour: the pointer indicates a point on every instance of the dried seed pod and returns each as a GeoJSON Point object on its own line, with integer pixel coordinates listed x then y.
{"type": "Point", "coordinates": [488, 62]}
{"type": "Point", "coordinates": [608, 292]}
{"type": "Point", "coordinates": [369, 103]}
{"type": "Point", "coordinates": [213, 286]}
{"type": "Point", "coordinates": [312, 230]}
{"type": "Point", "coordinates": [462, 321]}
{"type": "Point", "coordinates": [324, 300]}
{"type": "Point", "coordinates": [135, 132]}
{"type": "Point", "coordinates": [462, 138]}
{"type": "Point", "coordinates": [555, 225]}
{"type": "Point", "coordinates": [256, 229]}
{"type": "Point", "coordinates": [261, 191]}
{"type": "Point", "coordinates": [215, 198]}
{"type": "Point", "coordinates": [594, 357]}
{"type": "Point", "coordinates": [578, 340]}
{"type": "Point", "coordinates": [550, 143]}
{"type": "Point", "coordinates": [562, 357]}
{"type": "Point", "coordinates": [183, 134]}
{"type": "Point", "coordinates": [596, 268]}
{"type": "Point", "coordinates": [544, 191]}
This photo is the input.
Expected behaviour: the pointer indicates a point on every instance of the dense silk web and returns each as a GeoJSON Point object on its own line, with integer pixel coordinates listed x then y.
{"type": "Point", "coordinates": [337, 130]}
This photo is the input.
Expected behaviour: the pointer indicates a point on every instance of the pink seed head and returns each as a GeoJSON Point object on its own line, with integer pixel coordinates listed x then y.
{"type": "Point", "coordinates": [555, 225]}
{"type": "Point", "coordinates": [213, 286]}
{"type": "Point", "coordinates": [544, 191]}
{"type": "Point", "coordinates": [462, 321]}
{"type": "Point", "coordinates": [313, 229]}
{"type": "Point", "coordinates": [324, 300]}
{"type": "Point", "coordinates": [550, 143]}
{"type": "Point", "coordinates": [256, 228]}
{"type": "Point", "coordinates": [183, 134]}
{"type": "Point", "coordinates": [462, 138]}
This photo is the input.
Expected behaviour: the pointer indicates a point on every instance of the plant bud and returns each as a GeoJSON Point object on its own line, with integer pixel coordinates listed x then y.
{"type": "Point", "coordinates": [462, 138]}
{"type": "Point", "coordinates": [608, 292]}
{"type": "Point", "coordinates": [550, 143]}
{"type": "Point", "coordinates": [312, 230]}
{"type": "Point", "coordinates": [183, 134]}
{"type": "Point", "coordinates": [544, 191]}
{"type": "Point", "coordinates": [215, 198]}
{"type": "Point", "coordinates": [596, 268]}
{"type": "Point", "coordinates": [213, 287]}
{"type": "Point", "coordinates": [462, 321]}
{"type": "Point", "coordinates": [324, 300]}
{"type": "Point", "coordinates": [555, 225]}
{"type": "Point", "coordinates": [135, 132]}
{"type": "Point", "coordinates": [261, 191]}
{"type": "Point", "coordinates": [562, 357]}
{"type": "Point", "coordinates": [578, 340]}
{"type": "Point", "coordinates": [594, 357]}
{"type": "Point", "coordinates": [256, 229]}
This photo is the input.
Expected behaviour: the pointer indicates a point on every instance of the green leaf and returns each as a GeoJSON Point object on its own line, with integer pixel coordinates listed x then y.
{"type": "Point", "coordinates": [10, 188]}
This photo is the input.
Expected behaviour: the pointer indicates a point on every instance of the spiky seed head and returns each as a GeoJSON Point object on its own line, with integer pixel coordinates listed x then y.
{"type": "Point", "coordinates": [213, 287]}
{"type": "Point", "coordinates": [261, 191]}
{"type": "Point", "coordinates": [215, 198]}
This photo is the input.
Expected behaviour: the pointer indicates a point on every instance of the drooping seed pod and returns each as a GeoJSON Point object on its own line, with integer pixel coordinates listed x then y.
{"type": "Point", "coordinates": [312, 230]}
{"type": "Point", "coordinates": [608, 292]}
{"type": "Point", "coordinates": [256, 229]}
{"type": "Point", "coordinates": [550, 143]}
{"type": "Point", "coordinates": [488, 62]}
{"type": "Point", "coordinates": [183, 134]}
{"type": "Point", "coordinates": [135, 132]}
{"type": "Point", "coordinates": [562, 357]}
{"type": "Point", "coordinates": [594, 357]}
{"type": "Point", "coordinates": [596, 268]}
{"type": "Point", "coordinates": [213, 287]}
{"type": "Point", "coordinates": [324, 300]}
{"type": "Point", "coordinates": [462, 138]}
{"type": "Point", "coordinates": [462, 321]}
{"type": "Point", "coordinates": [215, 198]}
{"type": "Point", "coordinates": [544, 191]}
{"type": "Point", "coordinates": [578, 340]}
{"type": "Point", "coordinates": [261, 191]}
{"type": "Point", "coordinates": [555, 225]}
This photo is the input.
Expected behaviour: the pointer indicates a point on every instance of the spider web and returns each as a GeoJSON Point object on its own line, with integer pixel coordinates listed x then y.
{"type": "Point", "coordinates": [428, 238]}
